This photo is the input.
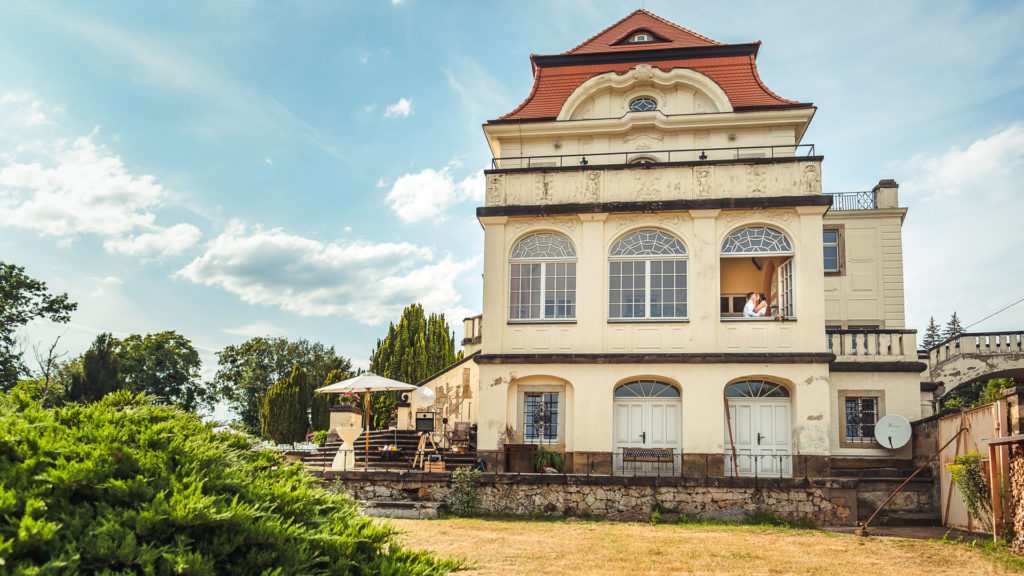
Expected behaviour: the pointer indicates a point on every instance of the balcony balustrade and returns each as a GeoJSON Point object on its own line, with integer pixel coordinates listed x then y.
{"type": "Point", "coordinates": [870, 344]}
{"type": "Point", "coordinates": [866, 200]}
{"type": "Point", "coordinates": [978, 343]}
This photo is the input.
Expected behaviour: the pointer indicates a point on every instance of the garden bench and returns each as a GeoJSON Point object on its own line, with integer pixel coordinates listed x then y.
{"type": "Point", "coordinates": [655, 455]}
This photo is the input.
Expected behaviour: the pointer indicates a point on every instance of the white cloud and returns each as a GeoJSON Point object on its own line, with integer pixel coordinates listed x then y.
{"type": "Point", "coordinates": [400, 109]}
{"type": "Point", "coordinates": [23, 109]}
{"type": "Point", "coordinates": [173, 240]}
{"type": "Point", "coordinates": [254, 329]}
{"type": "Point", "coordinates": [962, 237]}
{"type": "Point", "coordinates": [362, 280]}
{"type": "Point", "coordinates": [268, 161]}
{"type": "Point", "coordinates": [105, 283]}
{"type": "Point", "coordinates": [428, 193]}
{"type": "Point", "coordinates": [370, 109]}
{"type": "Point", "coordinates": [82, 188]}
{"type": "Point", "coordinates": [381, 183]}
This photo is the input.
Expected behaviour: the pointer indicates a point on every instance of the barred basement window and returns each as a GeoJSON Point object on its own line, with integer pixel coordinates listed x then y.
{"type": "Point", "coordinates": [861, 415]}
{"type": "Point", "coordinates": [540, 418]}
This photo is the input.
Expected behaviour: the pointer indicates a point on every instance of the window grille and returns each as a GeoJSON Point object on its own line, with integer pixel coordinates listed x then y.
{"type": "Point", "coordinates": [540, 418]}
{"type": "Point", "coordinates": [861, 415]}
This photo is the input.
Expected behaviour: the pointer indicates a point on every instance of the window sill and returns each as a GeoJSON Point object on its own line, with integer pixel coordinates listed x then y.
{"type": "Point", "coordinates": [544, 321]}
{"type": "Point", "coordinates": [758, 319]}
{"type": "Point", "coordinates": [649, 320]}
{"type": "Point", "coordinates": [870, 445]}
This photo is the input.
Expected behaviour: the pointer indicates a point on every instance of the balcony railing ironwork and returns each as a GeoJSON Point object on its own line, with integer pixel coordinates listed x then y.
{"type": "Point", "coordinates": [853, 200]}
{"type": "Point", "coordinates": [654, 156]}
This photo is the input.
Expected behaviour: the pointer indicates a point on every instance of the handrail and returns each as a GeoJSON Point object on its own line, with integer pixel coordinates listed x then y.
{"type": "Point", "coordinates": [866, 200]}
{"type": "Point", "coordinates": [563, 160]}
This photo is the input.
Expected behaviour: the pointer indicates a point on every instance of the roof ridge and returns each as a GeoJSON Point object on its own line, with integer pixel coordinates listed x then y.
{"type": "Point", "coordinates": [671, 23]}
{"type": "Point", "coordinates": [651, 15]}
{"type": "Point", "coordinates": [619, 21]}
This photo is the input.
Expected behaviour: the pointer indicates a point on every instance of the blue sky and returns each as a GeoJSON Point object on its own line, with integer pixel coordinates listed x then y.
{"type": "Point", "coordinates": [306, 169]}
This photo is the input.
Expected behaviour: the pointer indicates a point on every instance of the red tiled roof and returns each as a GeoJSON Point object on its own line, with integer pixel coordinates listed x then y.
{"type": "Point", "coordinates": [674, 36]}
{"type": "Point", "coordinates": [735, 73]}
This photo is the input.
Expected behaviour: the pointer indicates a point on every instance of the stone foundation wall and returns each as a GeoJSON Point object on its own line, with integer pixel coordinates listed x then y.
{"type": "Point", "coordinates": [1017, 498]}
{"type": "Point", "coordinates": [824, 502]}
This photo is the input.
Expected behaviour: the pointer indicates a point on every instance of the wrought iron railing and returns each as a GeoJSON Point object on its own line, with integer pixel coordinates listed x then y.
{"type": "Point", "coordinates": [654, 156]}
{"type": "Point", "coordinates": [853, 200]}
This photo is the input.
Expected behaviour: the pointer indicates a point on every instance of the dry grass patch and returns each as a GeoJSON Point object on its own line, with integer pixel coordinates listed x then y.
{"type": "Point", "coordinates": [509, 547]}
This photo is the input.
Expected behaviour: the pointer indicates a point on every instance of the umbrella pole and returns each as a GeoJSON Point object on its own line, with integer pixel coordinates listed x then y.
{"type": "Point", "coordinates": [366, 424]}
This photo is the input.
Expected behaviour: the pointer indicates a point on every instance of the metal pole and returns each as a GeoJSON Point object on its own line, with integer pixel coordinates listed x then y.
{"type": "Point", "coordinates": [728, 419]}
{"type": "Point", "coordinates": [864, 529]}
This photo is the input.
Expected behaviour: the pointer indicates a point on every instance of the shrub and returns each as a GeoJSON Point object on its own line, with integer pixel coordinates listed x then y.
{"type": "Point", "coordinates": [319, 437]}
{"type": "Point", "coordinates": [464, 499]}
{"type": "Point", "coordinates": [968, 473]}
{"type": "Point", "coordinates": [126, 487]}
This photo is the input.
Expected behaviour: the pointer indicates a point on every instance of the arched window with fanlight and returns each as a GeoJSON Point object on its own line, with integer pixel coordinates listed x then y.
{"type": "Point", "coordinates": [647, 277]}
{"type": "Point", "coordinates": [646, 389]}
{"type": "Point", "coordinates": [756, 389]}
{"type": "Point", "coordinates": [757, 260]}
{"type": "Point", "coordinates": [542, 278]}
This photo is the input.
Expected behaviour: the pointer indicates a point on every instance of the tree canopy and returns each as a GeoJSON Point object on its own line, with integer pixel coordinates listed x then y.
{"type": "Point", "coordinates": [245, 372]}
{"type": "Point", "coordinates": [164, 365]}
{"type": "Point", "coordinates": [101, 371]}
{"type": "Point", "coordinates": [23, 299]}
{"type": "Point", "coordinates": [123, 486]}
{"type": "Point", "coordinates": [415, 349]}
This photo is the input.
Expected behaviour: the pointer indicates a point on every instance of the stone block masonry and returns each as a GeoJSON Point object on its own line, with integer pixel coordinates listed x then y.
{"type": "Point", "coordinates": [821, 501]}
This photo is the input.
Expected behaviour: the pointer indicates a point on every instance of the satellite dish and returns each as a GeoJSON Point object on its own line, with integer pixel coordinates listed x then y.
{"type": "Point", "coordinates": [892, 431]}
{"type": "Point", "coordinates": [423, 397]}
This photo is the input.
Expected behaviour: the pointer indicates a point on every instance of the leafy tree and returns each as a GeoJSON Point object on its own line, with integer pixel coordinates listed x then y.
{"type": "Point", "coordinates": [953, 327]}
{"type": "Point", "coordinates": [247, 371]}
{"type": "Point", "coordinates": [932, 336]}
{"type": "Point", "coordinates": [23, 299]}
{"type": "Point", "coordinates": [124, 486]}
{"type": "Point", "coordinates": [101, 372]}
{"type": "Point", "coordinates": [283, 416]}
{"type": "Point", "coordinates": [164, 365]}
{"type": "Point", "coordinates": [413, 350]}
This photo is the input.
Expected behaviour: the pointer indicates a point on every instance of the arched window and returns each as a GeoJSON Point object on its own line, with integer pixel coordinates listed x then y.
{"type": "Point", "coordinates": [757, 240]}
{"type": "Point", "coordinates": [646, 389]}
{"type": "Point", "coordinates": [756, 389]}
{"type": "Point", "coordinates": [643, 104]}
{"type": "Point", "coordinates": [757, 259]}
{"type": "Point", "coordinates": [647, 276]}
{"type": "Point", "coordinates": [640, 37]}
{"type": "Point", "coordinates": [542, 278]}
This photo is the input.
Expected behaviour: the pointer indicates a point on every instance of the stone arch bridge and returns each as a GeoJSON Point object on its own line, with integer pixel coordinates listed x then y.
{"type": "Point", "coordinates": [972, 357]}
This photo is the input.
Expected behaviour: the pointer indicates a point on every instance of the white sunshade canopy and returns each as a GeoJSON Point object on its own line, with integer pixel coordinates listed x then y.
{"type": "Point", "coordinates": [365, 382]}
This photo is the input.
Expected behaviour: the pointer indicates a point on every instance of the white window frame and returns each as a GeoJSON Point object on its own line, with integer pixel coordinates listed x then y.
{"type": "Point", "coordinates": [568, 259]}
{"type": "Point", "coordinates": [648, 259]}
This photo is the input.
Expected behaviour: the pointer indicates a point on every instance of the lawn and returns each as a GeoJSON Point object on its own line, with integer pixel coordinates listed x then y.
{"type": "Point", "coordinates": [510, 547]}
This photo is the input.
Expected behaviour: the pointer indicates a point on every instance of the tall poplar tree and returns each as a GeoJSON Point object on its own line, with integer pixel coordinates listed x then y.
{"type": "Point", "coordinates": [283, 416]}
{"type": "Point", "coordinates": [413, 350]}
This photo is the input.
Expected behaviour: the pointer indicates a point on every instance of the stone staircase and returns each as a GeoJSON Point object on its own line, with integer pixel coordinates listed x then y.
{"type": "Point", "coordinates": [407, 442]}
{"type": "Point", "coordinates": [916, 505]}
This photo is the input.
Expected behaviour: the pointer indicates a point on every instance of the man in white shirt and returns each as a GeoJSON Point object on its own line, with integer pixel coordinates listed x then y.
{"type": "Point", "coordinates": [748, 308]}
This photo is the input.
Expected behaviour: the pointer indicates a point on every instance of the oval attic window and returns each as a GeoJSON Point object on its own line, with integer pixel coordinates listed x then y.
{"type": "Point", "coordinates": [643, 104]}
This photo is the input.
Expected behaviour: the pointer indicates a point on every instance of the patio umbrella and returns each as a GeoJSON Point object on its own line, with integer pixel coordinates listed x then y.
{"type": "Point", "coordinates": [369, 383]}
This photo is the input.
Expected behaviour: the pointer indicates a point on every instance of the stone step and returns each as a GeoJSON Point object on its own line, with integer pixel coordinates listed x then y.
{"type": "Point", "coordinates": [400, 509]}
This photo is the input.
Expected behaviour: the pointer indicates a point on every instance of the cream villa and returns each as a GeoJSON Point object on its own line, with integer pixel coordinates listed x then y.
{"type": "Point", "coordinates": [646, 185]}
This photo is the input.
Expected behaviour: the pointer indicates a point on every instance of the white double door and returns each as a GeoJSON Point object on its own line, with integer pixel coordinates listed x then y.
{"type": "Point", "coordinates": [647, 423]}
{"type": "Point", "coordinates": [761, 433]}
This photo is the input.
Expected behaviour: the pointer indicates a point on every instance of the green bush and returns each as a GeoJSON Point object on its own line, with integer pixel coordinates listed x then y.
{"type": "Point", "coordinates": [464, 499]}
{"type": "Point", "coordinates": [126, 487]}
{"type": "Point", "coordinates": [319, 437]}
{"type": "Point", "coordinates": [968, 473]}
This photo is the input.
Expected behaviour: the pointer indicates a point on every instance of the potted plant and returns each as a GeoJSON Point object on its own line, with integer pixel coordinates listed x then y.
{"type": "Point", "coordinates": [544, 458]}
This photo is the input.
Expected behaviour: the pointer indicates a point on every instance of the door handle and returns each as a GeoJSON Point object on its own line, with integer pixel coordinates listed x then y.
{"type": "Point", "coordinates": [643, 437]}
{"type": "Point", "coordinates": [759, 436]}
